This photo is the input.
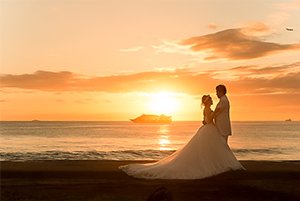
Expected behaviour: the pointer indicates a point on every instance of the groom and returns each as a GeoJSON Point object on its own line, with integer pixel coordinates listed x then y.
{"type": "Point", "coordinates": [221, 113]}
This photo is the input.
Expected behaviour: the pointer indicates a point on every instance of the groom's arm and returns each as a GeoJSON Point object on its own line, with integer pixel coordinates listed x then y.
{"type": "Point", "coordinates": [219, 108]}
{"type": "Point", "coordinates": [214, 114]}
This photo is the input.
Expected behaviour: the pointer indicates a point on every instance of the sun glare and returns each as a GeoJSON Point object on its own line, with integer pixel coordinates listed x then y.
{"type": "Point", "coordinates": [164, 102]}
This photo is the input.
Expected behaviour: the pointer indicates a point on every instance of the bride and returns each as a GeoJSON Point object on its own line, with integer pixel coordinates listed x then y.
{"type": "Point", "coordinates": [206, 154]}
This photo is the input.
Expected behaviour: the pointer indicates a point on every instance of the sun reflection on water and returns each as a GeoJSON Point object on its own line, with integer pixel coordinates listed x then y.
{"type": "Point", "coordinates": [163, 140]}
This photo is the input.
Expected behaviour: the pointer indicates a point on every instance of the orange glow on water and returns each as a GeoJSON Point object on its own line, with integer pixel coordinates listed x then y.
{"type": "Point", "coordinates": [164, 137]}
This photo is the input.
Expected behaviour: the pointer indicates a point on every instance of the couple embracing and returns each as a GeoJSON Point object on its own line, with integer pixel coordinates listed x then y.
{"type": "Point", "coordinates": [206, 154]}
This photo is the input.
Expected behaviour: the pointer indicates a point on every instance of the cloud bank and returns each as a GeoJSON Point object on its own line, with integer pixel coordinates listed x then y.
{"type": "Point", "coordinates": [132, 49]}
{"type": "Point", "coordinates": [234, 44]}
{"type": "Point", "coordinates": [282, 79]}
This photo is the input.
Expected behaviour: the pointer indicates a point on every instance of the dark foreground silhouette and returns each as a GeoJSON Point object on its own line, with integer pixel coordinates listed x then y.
{"type": "Point", "coordinates": [102, 180]}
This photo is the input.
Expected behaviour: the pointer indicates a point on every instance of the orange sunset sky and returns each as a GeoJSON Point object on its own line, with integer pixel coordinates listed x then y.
{"type": "Point", "coordinates": [114, 60]}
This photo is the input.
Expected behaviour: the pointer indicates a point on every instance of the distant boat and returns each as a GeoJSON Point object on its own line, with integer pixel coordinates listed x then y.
{"type": "Point", "coordinates": [150, 118]}
{"type": "Point", "coordinates": [288, 120]}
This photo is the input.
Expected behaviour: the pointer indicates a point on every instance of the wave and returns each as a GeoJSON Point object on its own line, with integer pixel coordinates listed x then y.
{"type": "Point", "coordinates": [87, 155]}
{"type": "Point", "coordinates": [122, 154]}
{"type": "Point", "coordinates": [259, 151]}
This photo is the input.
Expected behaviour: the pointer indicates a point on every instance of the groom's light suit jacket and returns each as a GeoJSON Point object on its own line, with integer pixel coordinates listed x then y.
{"type": "Point", "coordinates": [222, 119]}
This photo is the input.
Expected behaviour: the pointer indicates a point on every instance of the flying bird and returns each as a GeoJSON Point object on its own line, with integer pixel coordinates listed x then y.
{"type": "Point", "coordinates": [288, 29]}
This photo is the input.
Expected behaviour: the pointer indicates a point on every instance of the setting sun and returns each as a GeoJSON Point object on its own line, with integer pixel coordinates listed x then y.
{"type": "Point", "coordinates": [164, 102]}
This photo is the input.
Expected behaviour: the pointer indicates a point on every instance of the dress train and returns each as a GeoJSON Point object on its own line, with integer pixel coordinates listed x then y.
{"type": "Point", "coordinates": [205, 155]}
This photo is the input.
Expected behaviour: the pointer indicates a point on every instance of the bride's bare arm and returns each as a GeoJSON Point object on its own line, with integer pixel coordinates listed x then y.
{"type": "Point", "coordinates": [208, 115]}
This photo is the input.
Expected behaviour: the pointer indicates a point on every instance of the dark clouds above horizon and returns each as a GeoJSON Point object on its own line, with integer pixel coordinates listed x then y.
{"type": "Point", "coordinates": [282, 79]}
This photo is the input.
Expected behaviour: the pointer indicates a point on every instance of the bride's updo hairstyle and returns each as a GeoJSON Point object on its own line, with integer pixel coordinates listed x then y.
{"type": "Point", "coordinates": [205, 98]}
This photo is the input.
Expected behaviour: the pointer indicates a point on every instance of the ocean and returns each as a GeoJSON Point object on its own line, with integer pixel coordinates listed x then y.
{"type": "Point", "coordinates": [112, 140]}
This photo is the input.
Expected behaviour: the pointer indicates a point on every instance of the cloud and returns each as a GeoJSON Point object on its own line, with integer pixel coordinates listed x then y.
{"type": "Point", "coordinates": [261, 80]}
{"type": "Point", "coordinates": [41, 80]}
{"type": "Point", "coordinates": [132, 49]}
{"type": "Point", "coordinates": [141, 82]}
{"type": "Point", "coordinates": [233, 44]}
{"type": "Point", "coordinates": [172, 46]}
{"type": "Point", "coordinates": [256, 71]}
{"type": "Point", "coordinates": [215, 26]}
{"type": "Point", "coordinates": [287, 6]}
{"type": "Point", "coordinates": [211, 26]}
{"type": "Point", "coordinates": [284, 79]}
{"type": "Point", "coordinates": [83, 101]}
{"type": "Point", "coordinates": [255, 28]}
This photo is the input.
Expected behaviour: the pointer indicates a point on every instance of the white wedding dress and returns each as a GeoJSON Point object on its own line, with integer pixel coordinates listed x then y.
{"type": "Point", "coordinates": [205, 155]}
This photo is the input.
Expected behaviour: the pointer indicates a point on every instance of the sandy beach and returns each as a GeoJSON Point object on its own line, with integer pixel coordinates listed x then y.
{"type": "Point", "coordinates": [102, 180]}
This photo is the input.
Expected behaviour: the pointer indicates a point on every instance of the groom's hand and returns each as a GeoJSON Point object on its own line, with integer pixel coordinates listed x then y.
{"type": "Point", "coordinates": [217, 110]}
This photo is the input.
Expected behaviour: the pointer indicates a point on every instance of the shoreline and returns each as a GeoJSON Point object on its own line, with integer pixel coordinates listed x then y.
{"type": "Point", "coordinates": [102, 180]}
{"type": "Point", "coordinates": [73, 165]}
{"type": "Point", "coordinates": [112, 165]}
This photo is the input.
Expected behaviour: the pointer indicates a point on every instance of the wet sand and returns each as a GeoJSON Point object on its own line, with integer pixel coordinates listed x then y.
{"type": "Point", "coordinates": [102, 180]}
